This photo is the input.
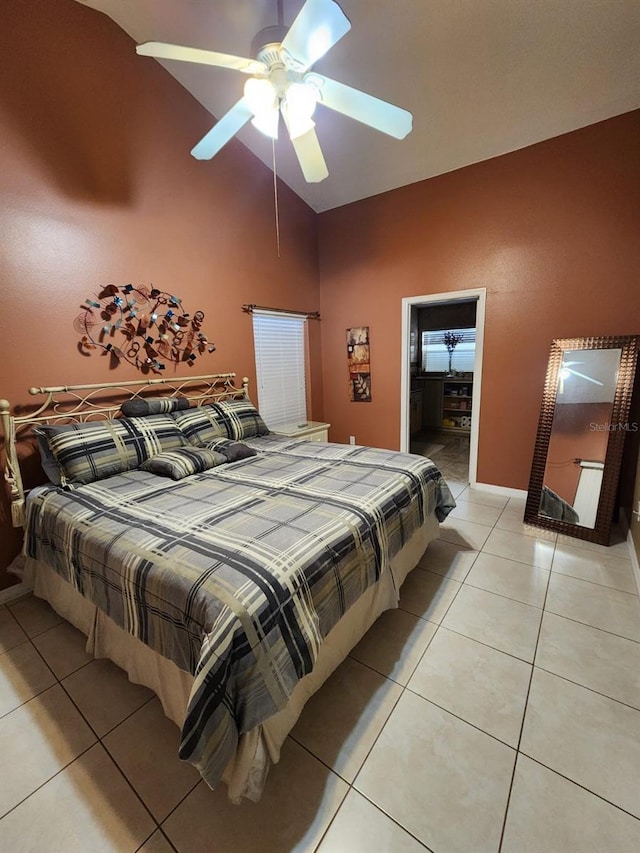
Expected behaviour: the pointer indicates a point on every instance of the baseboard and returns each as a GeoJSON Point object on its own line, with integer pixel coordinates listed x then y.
{"type": "Point", "coordinates": [13, 592]}
{"type": "Point", "coordinates": [503, 491]}
{"type": "Point", "coordinates": [634, 556]}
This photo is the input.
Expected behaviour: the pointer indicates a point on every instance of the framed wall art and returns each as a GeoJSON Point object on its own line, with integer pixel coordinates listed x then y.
{"type": "Point", "coordinates": [359, 363]}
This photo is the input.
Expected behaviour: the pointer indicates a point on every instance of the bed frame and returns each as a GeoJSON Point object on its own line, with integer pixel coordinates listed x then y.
{"type": "Point", "coordinates": [99, 401]}
{"type": "Point", "coordinates": [260, 747]}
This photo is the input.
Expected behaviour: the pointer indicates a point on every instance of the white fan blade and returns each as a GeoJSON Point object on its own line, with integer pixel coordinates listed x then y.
{"type": "Point", "coordinates": [320, 24]}
{"type": "Point", "coordinates": [310, 157]}
{"type": "Point", "coordinates": [160, 50]}
{"type": "Point", "coordinates": [351, 102]}
{"type": "Point", "coordinates": [218, 136]}
{"type": "Point", "coordinates": [583, 376]}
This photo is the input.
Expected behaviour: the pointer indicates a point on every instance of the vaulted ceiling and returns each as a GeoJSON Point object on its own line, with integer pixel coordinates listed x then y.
{"type": "Point", "coordinates": [481, 77]}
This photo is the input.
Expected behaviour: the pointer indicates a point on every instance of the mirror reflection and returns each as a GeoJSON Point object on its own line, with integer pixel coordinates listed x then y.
{"type": "Point", "coordinates": [579, 435]}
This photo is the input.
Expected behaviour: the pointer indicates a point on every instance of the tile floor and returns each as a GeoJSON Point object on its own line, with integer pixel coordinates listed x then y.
{"type": "Point", "coordinates": [497, 709]}
{"type": "Point", "coordinates": [449, 450]}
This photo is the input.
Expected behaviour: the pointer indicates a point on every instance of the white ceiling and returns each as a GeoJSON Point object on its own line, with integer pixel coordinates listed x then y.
{"type": "Point", "coordinates": [482, 77]}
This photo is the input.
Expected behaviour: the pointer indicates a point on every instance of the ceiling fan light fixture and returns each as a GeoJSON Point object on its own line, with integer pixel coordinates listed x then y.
{"type": "Point", "coordinates": [298, 107]}
{"type": "Point", "coordinates": [262, 100]}
{"type": "Point", "coordinates": [260, 94]}
{"type": "Point", "coordinates": [267, 123]}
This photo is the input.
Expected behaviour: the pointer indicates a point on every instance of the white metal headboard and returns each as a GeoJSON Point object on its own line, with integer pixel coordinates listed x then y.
{"type": "Point", "coordinates": [100, 401]}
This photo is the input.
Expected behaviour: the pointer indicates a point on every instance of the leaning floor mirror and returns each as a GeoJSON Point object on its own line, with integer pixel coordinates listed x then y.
{"type": "Point", "coordinates": [584, 419]}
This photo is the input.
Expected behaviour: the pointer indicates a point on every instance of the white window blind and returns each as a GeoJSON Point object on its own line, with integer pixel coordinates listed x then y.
{"type": "Point", "coordinates": [435, 356]}
{"type": "Point", "coordinates": [280, 366]}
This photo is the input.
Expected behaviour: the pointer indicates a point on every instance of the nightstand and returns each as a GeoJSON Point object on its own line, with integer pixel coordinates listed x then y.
{"type": "Point", "coordinates": [310, 430]}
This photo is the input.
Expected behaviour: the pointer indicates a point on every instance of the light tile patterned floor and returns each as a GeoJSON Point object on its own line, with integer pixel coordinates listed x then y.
{"type": "Point", "coordinates": [449, 450]}
{"type": "Point", "coordinates": [497, 710]}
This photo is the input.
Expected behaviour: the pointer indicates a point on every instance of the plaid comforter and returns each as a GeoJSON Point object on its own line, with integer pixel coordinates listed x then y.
{"type": "Point", "coordinates": [237, 574]}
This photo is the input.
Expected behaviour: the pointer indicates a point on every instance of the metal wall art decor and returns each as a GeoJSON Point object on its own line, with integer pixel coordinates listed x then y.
{"type": "Point", "coordinates": [141, 325]}
{"type": "Point", "coordinates": [359, 361]}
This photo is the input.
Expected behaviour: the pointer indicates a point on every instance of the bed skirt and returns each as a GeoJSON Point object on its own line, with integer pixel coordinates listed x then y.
{"type": "Point", "coordinates": [246, 773]}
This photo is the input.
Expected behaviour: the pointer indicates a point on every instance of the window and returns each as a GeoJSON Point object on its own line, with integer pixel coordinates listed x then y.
{"type": "Point", "coordinates": [280, 366]}
{"type": "Point", "coordinates": [435, 356]}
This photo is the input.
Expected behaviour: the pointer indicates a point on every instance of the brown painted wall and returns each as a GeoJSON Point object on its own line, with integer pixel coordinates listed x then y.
{"type": "Point", "coordinates": [97, 186]}
{"type": "Point", "coordinates": [552, 233]}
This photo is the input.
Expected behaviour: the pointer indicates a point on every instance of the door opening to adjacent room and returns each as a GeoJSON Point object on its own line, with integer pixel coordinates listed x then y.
{"type": "Point", "coordinates": [441, 377]}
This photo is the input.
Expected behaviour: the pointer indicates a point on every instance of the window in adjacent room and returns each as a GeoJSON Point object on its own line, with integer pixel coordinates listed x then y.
{"type": "Point", "coordinates": [435, 356]}
{"type": "Point", "coordinates": [280, 345]}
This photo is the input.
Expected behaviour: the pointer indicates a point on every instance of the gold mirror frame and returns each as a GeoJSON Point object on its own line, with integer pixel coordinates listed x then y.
{"type": "Point", "coordinates": [629, 346]}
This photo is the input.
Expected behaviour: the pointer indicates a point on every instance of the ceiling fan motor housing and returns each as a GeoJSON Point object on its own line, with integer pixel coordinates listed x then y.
{"type": "Point", "coordinates": [267, 48]}
{"type": "Point", "coordinates": [266, 45]}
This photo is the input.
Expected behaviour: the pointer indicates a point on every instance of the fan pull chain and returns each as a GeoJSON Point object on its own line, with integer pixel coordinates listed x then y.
{"type": "Point", "coordinates": [275, 196]}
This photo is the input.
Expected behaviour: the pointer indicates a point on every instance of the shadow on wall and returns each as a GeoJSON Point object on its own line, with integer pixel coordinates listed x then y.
{"type": "Point", "coordinates": [72, 134]}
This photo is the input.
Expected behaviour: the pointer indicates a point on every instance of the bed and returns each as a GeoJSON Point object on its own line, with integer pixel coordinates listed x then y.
{"type": "Point", "coordinates": [228, 569]}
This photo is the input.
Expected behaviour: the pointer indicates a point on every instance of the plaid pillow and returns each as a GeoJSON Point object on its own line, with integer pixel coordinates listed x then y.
{"type": "Point", "coordinates": [92, 451]}
{"type": "Point", "coordinates": [241, 419]}
{"type": "Point", "coordinates": [142, 406]}
{"type": "Point", "coordinates": [183, 461]}
{"type": "Point", "coordinates": [200, 424]}
{"type": "Point", "coordinates": [48, 461]}
{"type": "Point", "coordinates": [232, 450]}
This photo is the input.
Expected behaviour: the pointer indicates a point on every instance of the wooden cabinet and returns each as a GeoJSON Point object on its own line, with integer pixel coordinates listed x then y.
{"type": "Point", "coordinates": [415, 411]}
{"type": "Point", "coordinates": [432, 404]}
{"type": "Point", "coordinates": [446, 404]}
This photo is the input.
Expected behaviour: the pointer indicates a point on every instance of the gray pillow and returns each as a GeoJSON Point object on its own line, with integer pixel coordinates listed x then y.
{"type": "Point", "coordinates": [232, 450]}
{"type": "Point", "coordinates": [183, 461]}
{"type": "Point", "coordinates": [141, 406]}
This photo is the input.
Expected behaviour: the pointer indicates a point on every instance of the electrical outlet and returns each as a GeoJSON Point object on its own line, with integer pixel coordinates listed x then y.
{"type": "Point", "coordinates": [352, 439]}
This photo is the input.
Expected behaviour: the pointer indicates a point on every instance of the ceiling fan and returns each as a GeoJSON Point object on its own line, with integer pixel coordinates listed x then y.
{"type": "Point", "coordinates": [280, 83]}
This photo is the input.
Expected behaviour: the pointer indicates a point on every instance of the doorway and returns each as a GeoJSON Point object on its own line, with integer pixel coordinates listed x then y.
{"type": "Point", "coordinates": [441, 376]}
